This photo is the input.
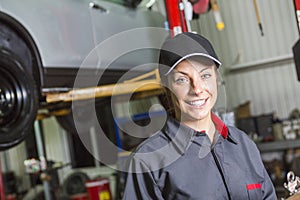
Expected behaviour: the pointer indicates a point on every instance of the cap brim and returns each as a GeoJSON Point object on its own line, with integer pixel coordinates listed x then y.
{"type": "Point", "coordinates": [190, 55]}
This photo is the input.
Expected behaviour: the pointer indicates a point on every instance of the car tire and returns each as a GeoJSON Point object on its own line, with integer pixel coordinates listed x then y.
{"type": "Point", "coordinates": [18, 100]}
{"type": "Point", "coordinates": [75, 183]}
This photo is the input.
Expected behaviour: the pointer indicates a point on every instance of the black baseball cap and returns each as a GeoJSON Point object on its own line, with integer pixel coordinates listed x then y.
{"type": "Point", "coordinates": [183, 46]}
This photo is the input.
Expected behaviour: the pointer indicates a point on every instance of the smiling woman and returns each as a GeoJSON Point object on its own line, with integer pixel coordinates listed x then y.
{"type": "Point", "coordinates": [194, 92]}
{"type": "Point", "coordinates": [195, 155]}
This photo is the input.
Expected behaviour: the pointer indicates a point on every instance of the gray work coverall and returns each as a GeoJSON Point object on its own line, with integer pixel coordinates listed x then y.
{"type": "Point", "coordinates": [181, 163]}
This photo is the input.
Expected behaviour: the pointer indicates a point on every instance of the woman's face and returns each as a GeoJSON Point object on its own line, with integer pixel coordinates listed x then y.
{"type": "Point", "coordinates": [194, 86]}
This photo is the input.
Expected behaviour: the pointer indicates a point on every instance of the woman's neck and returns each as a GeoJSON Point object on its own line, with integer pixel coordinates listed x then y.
{"type": "Point", "coordinates": [206, 125]}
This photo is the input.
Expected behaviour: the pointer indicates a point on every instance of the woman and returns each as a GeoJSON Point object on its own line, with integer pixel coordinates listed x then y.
{"type": "Point", "coordinates": [195, 156]}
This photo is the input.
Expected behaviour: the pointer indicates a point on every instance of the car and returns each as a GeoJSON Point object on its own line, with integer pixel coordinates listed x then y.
{"type": "Point", "coordinates": [43, 44]}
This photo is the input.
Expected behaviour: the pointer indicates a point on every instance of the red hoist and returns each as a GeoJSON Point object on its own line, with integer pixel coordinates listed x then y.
{"type": "Point", "coordinates": [180, 13]}
{"type": "Point", "coordinates": [175, 10]}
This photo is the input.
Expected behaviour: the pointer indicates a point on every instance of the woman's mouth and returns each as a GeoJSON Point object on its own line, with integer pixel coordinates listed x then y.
{"type": "Point", "coordinates": [197, 103]}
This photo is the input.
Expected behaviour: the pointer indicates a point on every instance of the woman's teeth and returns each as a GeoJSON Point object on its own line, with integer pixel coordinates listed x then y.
{"type": "Point", "coordinates": [198, 102]}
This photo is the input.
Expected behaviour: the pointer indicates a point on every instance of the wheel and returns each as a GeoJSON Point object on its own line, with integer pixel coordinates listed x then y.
{"type": "Point", "coordinates": [75, 183]}
{"type": "Point", "coordinates": [18, 100]}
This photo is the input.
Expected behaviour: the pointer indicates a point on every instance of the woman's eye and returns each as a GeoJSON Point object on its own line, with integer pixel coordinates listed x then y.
{"type": "Point", "coordinates": [205, 76]}
{"type": "Point", "coordinates": [181, 80]}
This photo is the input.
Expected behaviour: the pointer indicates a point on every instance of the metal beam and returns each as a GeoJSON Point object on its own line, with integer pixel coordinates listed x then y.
{"type": "Point", "coordinates": [134, 85]}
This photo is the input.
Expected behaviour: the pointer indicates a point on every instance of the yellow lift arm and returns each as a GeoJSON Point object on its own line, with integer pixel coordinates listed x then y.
{"type": "Point", "coordinates": [135, 85]}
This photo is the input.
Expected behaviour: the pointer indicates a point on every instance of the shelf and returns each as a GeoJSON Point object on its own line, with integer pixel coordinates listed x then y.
{"type": "Point", "coordinates": [278, 145]}
{"type": "Point", "coordinates": [264, 63]}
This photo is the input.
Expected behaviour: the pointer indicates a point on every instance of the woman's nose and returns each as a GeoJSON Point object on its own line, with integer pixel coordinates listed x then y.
{"type": "Point", "coordinates": [198, 85]}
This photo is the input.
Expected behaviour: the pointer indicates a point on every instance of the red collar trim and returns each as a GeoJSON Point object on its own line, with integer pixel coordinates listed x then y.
{"type": "Point", "coordinates": [220, 126]}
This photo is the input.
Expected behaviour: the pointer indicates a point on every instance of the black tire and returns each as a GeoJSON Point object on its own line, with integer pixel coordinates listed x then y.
{"type": "Point", "coordinates": [75, 183]}
{"type": "Point", "coordinates": [18, 100]}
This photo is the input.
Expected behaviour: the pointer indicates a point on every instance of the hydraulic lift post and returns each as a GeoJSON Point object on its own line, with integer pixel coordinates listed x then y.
{"type": "Point", "coordinates": [177, 21]}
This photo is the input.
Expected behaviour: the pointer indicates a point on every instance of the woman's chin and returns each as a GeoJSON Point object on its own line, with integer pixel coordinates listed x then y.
{"type": "Point", "coordinates": [196, 116]}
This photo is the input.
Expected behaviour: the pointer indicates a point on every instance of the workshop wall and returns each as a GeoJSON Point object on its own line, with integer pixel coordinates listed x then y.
{"type": "Point", "coordinates": [256, 68]}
